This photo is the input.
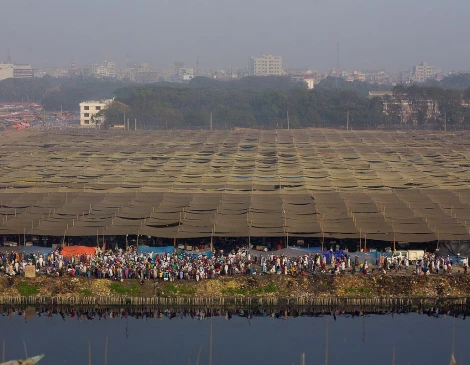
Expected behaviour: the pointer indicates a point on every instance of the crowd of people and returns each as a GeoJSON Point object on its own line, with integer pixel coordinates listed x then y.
{"type": "Point", "coordinates": [122, 264]}
{"type": "Point", "coordinates": [128, 264]}
{"type": "Point", "coordinates": [430, 263]}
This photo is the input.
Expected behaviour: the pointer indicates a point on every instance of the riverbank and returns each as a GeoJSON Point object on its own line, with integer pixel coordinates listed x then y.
{"type": "Point", "coordinates": [268, 286]}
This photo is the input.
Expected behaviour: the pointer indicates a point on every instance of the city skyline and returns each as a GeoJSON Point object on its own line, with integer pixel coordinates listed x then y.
{"type": "Point", "coordinates": [373, 34]}
{"type": "Point", "coordinates": [267, 65]}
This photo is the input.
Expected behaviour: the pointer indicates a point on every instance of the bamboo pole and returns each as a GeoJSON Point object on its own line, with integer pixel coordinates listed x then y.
{"type": "Point", "coordinates": [210, 342]}
{"type": "Point", "coordinates": [106, 352]}
{"type": "Point", "coordinates": [360, 239]}
{"type": "Point", "coordinates": [199, 354]}
{"type": "Point", "coordinates": [326, 343]}
{"type": "Point", "coordinates": [25, 350]}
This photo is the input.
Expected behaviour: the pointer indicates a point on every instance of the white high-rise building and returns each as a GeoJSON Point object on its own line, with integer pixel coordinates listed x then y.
{"type": "Point", "coordinates": [268, 65]}
{"type": "Point", "coordinates": [13, 70]}
{"type": "Point", "coordinates": [424, 72]}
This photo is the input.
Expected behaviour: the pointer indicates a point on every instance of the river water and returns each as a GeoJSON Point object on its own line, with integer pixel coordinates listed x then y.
{"type": "Point", "coordinates": [366, 340]}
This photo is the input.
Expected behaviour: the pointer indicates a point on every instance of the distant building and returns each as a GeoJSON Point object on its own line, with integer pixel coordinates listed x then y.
{"type": "Point", "coordinates": [268, 65]}
{"type": "Point", "coordinates": [380, 94]}
{"type": "Point", "coordinates": [101, 70]}
{"type": "Point", "coordinates": [310, 81]}
{"type": "Point", "coordinates": [298, 72]}
{"type": "Point", "coordinates": [359, 76]}
{"type": "Point", "coordinates": [145, 74]}
{"type": "Point", "coordinates": [380, 78]}
{"type": "Point", "coordinates": [88, 111]}
{"type": "Point", "coordinates": [185, 74]}
{"type": "Point", "coordinates": [319, 78]}
{"type": "Point", "coordinates": [16, 71]}
{"type": "Point", "coordinates": [53, 72]}
{"type": "Point", "coordinates": [405, 77]}
{"type": "Point", "coordinates": [424, 72]}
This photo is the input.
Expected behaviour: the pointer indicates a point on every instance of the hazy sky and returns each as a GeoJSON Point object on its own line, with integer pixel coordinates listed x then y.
{"type": "Point", "coordinates": [390, 34]}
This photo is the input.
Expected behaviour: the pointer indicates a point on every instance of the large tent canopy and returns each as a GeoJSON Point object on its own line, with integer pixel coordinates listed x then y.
{"type": "Point", "coordinates": [388, 186]}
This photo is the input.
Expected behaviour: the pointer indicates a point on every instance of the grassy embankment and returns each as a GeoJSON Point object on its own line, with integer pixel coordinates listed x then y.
{"type": "Point", "coordinates": [255, 286]}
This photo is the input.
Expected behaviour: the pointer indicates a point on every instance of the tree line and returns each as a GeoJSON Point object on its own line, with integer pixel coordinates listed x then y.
{"type": "Point", "coordinates": [54, 93]}
{"type": "Point", "coordinates": [160, 107]}
{"type": "Point", "coordinates": [255, 102]}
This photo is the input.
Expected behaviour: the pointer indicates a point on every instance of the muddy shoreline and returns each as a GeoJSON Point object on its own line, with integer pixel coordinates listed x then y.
{"type": "Point", "coordinates": [268, 286]}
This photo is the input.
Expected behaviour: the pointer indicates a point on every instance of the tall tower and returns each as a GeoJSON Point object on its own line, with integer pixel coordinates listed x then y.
{"type": "Point", "coordinates": [73, 66]}
{"type": "Point", "coordinates": [9, 56]}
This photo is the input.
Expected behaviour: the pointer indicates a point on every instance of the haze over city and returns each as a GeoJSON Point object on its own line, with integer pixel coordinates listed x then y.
{"type": "Point", "coordinates": [373, 34]}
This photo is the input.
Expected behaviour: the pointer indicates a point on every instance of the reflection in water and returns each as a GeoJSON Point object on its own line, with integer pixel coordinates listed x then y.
{"type": "Point", "coordinates": [200, 313]}
{"type": "Point", "coordinates": [289, 335]}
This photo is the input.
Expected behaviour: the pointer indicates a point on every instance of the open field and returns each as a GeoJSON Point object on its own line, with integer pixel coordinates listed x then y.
{"type": "Point", "coordinates": [387, 186]}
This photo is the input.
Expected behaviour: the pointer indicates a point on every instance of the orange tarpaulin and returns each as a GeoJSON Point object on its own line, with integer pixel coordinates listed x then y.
{"type": "Point", "coordinates": [67, 251]}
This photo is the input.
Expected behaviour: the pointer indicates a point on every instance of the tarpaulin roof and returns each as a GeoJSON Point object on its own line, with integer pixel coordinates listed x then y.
{"type": "Point", "coordinates": [401, 186]}
{"type": "Point", "coordinates": [76, 251]}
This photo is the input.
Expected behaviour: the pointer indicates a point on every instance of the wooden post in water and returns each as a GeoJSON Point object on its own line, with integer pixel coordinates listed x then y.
{"type": "Point", "coordinates": [3, 352]}
{"type": "Point", "coordinates": [106, 352]}
{"type": "Point", "coordinates": [25, 351]}
{"type": "Point", "coordinates": [210, 342]}
{"type": "Point", "coordinates": [199, 354]}
{"type": "Point", "coordinates": [326, 343]}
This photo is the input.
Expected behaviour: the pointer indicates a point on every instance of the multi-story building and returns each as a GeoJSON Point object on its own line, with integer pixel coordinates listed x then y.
{"type": "Point", "coordinates": [89, 111]}
{"type": "Point", "coordinates": [16, 71]}
{"type": "Point", "coordinates": [309, 79]}
{"type": "Point", "coordinates": [100, 70]}
{"type": "Point", "coordinates": [268, 65]}
{"type": "Point", "coordinates": [359, 76]}
{"type": "Point", "coordinates": [424, 72]}
{"type": "Point", "coordinates": [380, 78]}
{"type": "Point", "coordinates": [405, 77]}
{"type": "Point", "coordinates": [185, 74]}
{"type": "Point", "coordinates": [53, 72]}
{"type": "Point", "coordinates": [297, 72]}
{"type": "Point", "coordinates": [319, 77]}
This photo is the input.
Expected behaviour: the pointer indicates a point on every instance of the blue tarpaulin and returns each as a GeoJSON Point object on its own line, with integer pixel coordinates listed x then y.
{"type": "Point", "coordinates": [37, 250]}
{"type": "Point", "coordinates": [156, 250]}
{"type": "Point", "coordinates": [310, 249]}
{"type": "Point", "coordinates": [197, 253]}
{"type": "Point", "coordinates": [371, 257]}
